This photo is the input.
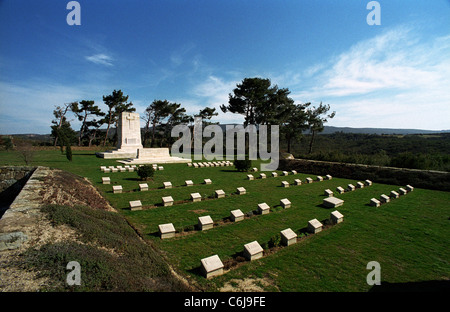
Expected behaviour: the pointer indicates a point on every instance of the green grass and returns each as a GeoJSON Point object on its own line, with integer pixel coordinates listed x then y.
{"type": "Point", "coordinates": [409, 236]}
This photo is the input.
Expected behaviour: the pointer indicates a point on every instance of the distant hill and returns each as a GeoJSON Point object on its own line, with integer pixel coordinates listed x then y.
{"type": "Point", "coordinates": [330, 129]}
{"type": "Point", "coordinates": [327, 130]}
{"type": "Point", "coordinates": [379, 131]}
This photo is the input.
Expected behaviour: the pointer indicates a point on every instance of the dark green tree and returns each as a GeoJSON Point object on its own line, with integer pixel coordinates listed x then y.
{"type": "Point", "coordinates": [316, 118]}
{"type": "Point", "coordinates": [294, 123]}
{"type": "Point", "coordinates": [117, 104]}
{"type": "Point", "coordinates": [60, 116]}
{"type": "Point", "coordinates": [155, 114]}
{"type": "Point", "coordinates": [249, 98]}
{"type": "Point", "coordinates": [65, 134]}
{"type": "Point", "coordinates": [69, 152]}
{"type": "Point", "coordinates": [145, 172]}
{"type": "Point", "coordinates": [84, 110]}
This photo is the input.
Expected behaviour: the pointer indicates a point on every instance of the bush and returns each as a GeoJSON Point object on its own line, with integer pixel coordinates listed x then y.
{"type": "Point", "coordinates": [275, 241]}
{"type": "Point", "coordinates": [243, 165]}
{"type": "Point", "coordinates": [145, 172]}
{"type": "Point", "coordinates": [69, 152]}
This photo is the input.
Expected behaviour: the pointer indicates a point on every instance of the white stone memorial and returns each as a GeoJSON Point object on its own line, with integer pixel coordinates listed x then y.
{"type": "Point", "coordinates": [328, 192]}
{"type": "Point", "coordinates": [117, 189]}
{"type": "Point", "coordinates": [205, 223]}
{"type": "Point", "coordinates": [241, 190]}
{"type": "Point", "coordinates": [262, 176]}
{"type": "Point", "coordinates": [250, 177]}
{"type": "Point", "coordinates": [328, 177]}
{"type": "Point", "coordinates": [166, 230]}
{"type": "Point", "coordinates": [207, 181]}
{"type": "Point", "coordinates": [196, 197]}
{"type": "Point", "coordinates": [402, 191]}
{"type": "Point", "coordinates": [167, 185]}
{"type": "Point", "coordinates": [284, 183]}
{"type": "Point", "coordinates": [130, 147]}
{"type": "Point", "coordinates": [263, 208]}
{"type": "Point", "coordinates": [374, 202]}
{"type": "Point", "coordinates": [298, 182]}
{"type": "Point", "coordinates": [336, 217]}
{"type": "Point", "coordinates": [409, 188]}
{"type": "Point", "coordinates": [106, 180]}
{"type": "Point", "coordinates": [285, 203]}
{"type": "Point", "coordinates": [143, 187]}
{"type": "Point", "coordinates": [236, 215]}
{"type": "Point", "coordinates": [188, 183]}
{"type": "Point", "coordinates": [319, 178]}
{"type": "Point", "coordinates": [309, 180]}
{"type": "Point", "coordinates": [135, 205]}
{"type": "Point", "coordinates": [288, 237]}
{"type": "Point", "coordinates": [350, 187]}
{"type": "Point", "coordinates": [394, 194]}
{"type": "Point", "coordinates": [332, 202]}
{"type": "Point", "coordinates": [340, 190]}
{"type": "Point", "coordinates": [167, 201]}
{"type": "Point", "coordinates": [212, 266]}
{"type": "Point", "coordinates": [294, 172]}
{"type": "Point", "coordinates": [359, 185]}
{"type": "Point", "coordinates": [219, 194]}
{"type": "Point", "coordinates": [274, 174]}
{"type": "Point", "coordinates": [314, 226]}
{"type": "Point", "coordinates": [253, 251]}
{"type": "Point", "coordinates": [368, 183]}
{"type": "Point", "coordinates": [384, 198]}
{"type": "Point", "coordinates": [285, 173]}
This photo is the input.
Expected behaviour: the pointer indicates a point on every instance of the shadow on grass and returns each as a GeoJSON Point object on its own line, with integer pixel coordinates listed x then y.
{"type": "Point", "coordinates": [196, 271]}
{"type": "Point", "coordinates": [428, 286]}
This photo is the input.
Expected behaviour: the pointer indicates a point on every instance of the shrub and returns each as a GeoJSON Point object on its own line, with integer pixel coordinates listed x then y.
{"type": "Point", "coordinates": [275, 241]}
{"type": "Point", "coordinates": [145, 172]}
{"type": "Point", "coordinates": [243, 165]}
{"type": "Point", "coordinates": [69, 152]}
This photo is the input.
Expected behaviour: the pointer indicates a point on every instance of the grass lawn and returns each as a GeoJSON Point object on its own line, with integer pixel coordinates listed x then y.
{"type": "Point", "coordinates": [409, 236]}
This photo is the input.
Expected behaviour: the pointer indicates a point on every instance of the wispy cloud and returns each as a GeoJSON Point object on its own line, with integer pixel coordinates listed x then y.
{"type": "Point", "coordinates": [101, 59]}
{"type": "Point", "coordinates": [395, 79]}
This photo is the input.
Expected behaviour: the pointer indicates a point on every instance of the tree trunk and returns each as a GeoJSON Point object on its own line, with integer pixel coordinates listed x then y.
{"type": "Point", "coordinates": [153, 134]}
{"type": "Point", "coordinates": [312, 141]}
{"type": "Point", "coordinates": [81, 129]}
{"type": "Point", "coordinates": [289, 145]}
{"type": "Point", "coordinates": [107, 129]}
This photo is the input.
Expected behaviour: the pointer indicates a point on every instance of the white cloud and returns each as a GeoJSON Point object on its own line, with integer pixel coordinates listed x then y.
{"type": "Point", "coordinates": [101, 59]}
{"type": "Point", "coordinates": [397, 80]}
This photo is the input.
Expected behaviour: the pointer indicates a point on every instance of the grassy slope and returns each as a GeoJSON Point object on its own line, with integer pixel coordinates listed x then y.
{"type": "Point", "coordinates": [408, 237]}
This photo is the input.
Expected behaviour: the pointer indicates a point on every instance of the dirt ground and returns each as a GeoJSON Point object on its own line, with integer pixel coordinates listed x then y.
{"type": "Point", "coordinates": [57, 187]}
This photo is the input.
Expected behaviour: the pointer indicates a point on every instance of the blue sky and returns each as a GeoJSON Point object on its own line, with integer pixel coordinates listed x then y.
{"type": "Point", "coordinates": [393, 75]}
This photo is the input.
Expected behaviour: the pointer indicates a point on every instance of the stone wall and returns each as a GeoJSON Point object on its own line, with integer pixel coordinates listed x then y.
{"type": "Point", "coordinates": [9, 175]}
{"type": "Point", "coordinates": [430, 179]}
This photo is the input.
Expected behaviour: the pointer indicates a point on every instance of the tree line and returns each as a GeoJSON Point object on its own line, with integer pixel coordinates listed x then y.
{"type": "Point", "coordinates": [260, 102]}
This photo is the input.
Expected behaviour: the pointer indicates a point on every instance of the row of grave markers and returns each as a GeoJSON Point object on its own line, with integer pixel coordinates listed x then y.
{"type": "Point", "coordinates": [210, 164]}
{"type": "Point", "coordinates": [195, 197]}
{"type": "Point", "coordinates": [144, 186]}
{"type": "Point", "coordinates": [132, 168]}
{"type": "Point", "coordinates": [286, 173]}
{"type": "Point", "coordinates": [213, 266]}
{"type": "Point", "coordinates": [386, 199]}
{"type": "Point", "coordinates": [206, 222]}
